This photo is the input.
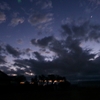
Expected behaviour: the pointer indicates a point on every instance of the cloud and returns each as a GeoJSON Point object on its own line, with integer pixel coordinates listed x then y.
{"type": "Point", "coordinates": [39, 18]}
{"type": "Point", "coordinates": [44, 4]}
{"type": "Point", "coordinates": [38, 67]}
{"type": "Point", "coordinates": [97, 2]}
{"type": "Point", "coordinates": [16, 21]}
{"type": "Point", "coordinates": [4, 6]}
{"type": "Point", "coordinates": [19, 41]}
{"type": "Point", "coordinates": [70, 57]}
{"type": "Point", "coordinates": [42, 19]}
{"type": "Point", "coordinates": [2, 17]}
{"type": "Point", "coordinates": [81, 29]}
{"type": "Point", "coordinates": [19, 65]}
{"type": "Point", "coordinates": [39, 56]}
{"type": "Point", "coordinates": [28, 50]}
{"type": "Point", "coordinates": [59, 66]}
{"type": "Point", "coordinates": [14, 52]}
{"type": "Point", "coordinates": [2, 49]}
{"type": "Point", "coordinates": [15, 14]}
{"type": "Point", "coordinates": [13, 70]}
{"type": "Point", "coordinates": [2, 59]}
{"type": "Point", "coordinates": [42, 42]}
{"type": "Point", "coordinates": [90, 5]}
{"type": "Point", "coordinates": [47, 4]}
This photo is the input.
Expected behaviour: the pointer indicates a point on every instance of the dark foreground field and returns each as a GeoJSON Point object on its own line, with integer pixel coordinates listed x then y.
{"type": "Point", "coordinates": [31, 94]}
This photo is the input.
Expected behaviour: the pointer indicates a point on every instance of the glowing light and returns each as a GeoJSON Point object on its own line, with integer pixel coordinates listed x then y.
{"type": "Point", "coordinates": [40, 80]}
{"type": "Point", "coordinates": [50, 81]}
{"type": "Point", "coordinates": [22, 82]}
{"type": "Point", "coordinates": [45, 80]}
{"type": "Point", "coordinates": [55, 81]}
{"type": "Point", "coordinates": [29, 73]}
{"type": "Point", "coordinates": [12, 74]}
{"type": "Point", "coordinates": [61, 80]}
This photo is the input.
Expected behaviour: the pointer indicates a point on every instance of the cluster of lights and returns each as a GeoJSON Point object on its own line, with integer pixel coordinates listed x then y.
{"type": "Point", "coordinates": [50, 81]}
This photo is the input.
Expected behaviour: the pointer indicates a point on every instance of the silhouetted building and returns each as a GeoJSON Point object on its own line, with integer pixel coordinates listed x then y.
{"type": "Point", "coordinates": [13, 79]}
{"type": "Point", "coordinates": [4, 78]}
{"type": "Point", "coordinates": [21, 79]}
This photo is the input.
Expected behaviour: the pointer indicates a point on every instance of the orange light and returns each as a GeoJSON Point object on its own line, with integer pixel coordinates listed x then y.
{"type": "Point", "coordinates": [50, 81]}
{"type": "Point", "coordinates": [45, 80]}
{"type": "Point", "coordinates": [61, 80]}
{"type": "Point", "coordinates": [55, 81]}
{"type": "Point", "coordinates": [22, 82]}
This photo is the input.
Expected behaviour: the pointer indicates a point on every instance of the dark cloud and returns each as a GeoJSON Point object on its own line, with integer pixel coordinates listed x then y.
{"type": "Point", "coordinates": [82, 29]}
{"type": "Point", "coordinates": [62, 66]}
{"type": "Point", "coordinates": [19, 64]}
{"type": "Point", "coordinates": [2, 59]}
{"type": "Point", "coordinates": [22, 62]}
{"type": "Point", "coordinates": [28, 50]}
{"type": "Point", "coordinates": [39, 67]}
{"type": "Point", "coordinates": [42, 42]}
{"type": "Point", "coordinates": [14, 52]}
{"type": "Point", "coordinates": [71, 59]}
{"type": "Point", "coordinates": [2, 50]}
{"type": "Point", "coordinates": [40, 18]}
{"type": "Point", "coordinates": [97, 60]}
{"type": "Point", "coordinates": [39, 56]}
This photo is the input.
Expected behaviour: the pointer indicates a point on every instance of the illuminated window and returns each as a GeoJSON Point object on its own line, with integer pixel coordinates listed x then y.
{"type": "Point", "coordinates": [61, 80]}
{"type": "Point", "coordinates": [22, 82]}
{"type": "Point", "coordinates": [50, 81]}
{"type": "Point", "coordinates": [55, 81]}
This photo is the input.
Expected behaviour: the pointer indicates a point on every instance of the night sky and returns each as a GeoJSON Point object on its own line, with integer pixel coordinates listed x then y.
{"type": "Point", "coordinates": [50, 37]}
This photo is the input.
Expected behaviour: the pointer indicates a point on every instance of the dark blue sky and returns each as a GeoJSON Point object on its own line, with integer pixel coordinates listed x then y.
{"type": "Point", "coordinates": [50, 37]}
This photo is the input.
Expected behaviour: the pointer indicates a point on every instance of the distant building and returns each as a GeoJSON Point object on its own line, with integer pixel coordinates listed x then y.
{"type": "Point", "coordinates": [17, 79]}
{"type": "Point", "coordinates": [13, 80]}
{"type": "Point", "coordinates": [4, 78]}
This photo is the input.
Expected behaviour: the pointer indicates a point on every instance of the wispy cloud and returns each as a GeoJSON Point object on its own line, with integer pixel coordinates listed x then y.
{"type": "Point", "coordinates": [82, 29]}
{"type": "Point", "coordinates": [16, 21]}
{"type": "Point", "coordinates": [41, 21]}
{"type": "Point", "coordinates": [47, 5]}
{"type": "Point", "coordinates": [4, 6]}
{"type": "Point", "coordinates": [19, 41]}
{"type": "Point", "coordinates": [14, 52]}
{"type": "Point", "coordinates": [2, 17]}
{"type": "Point", "coordinates": [40, 18]}
{"type": "Point", "coordinates": [90, 5]}
{"type": "Point", "coordinates": [44, 4]}
{"type": "Point", "coordinates": [2, 59]}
